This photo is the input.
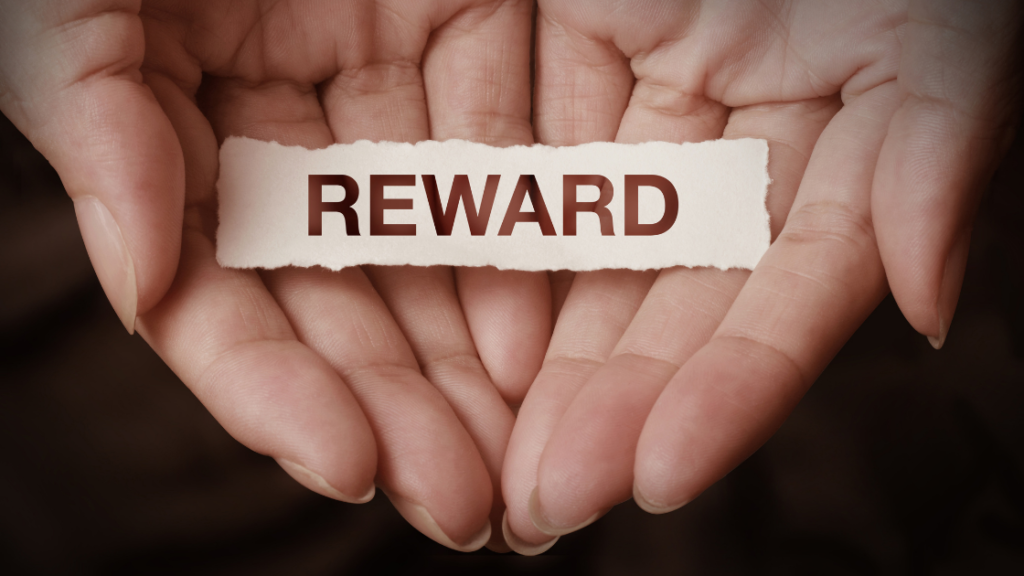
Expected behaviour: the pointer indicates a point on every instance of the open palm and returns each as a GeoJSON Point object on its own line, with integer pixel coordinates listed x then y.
{"type": "Point", "coordinates": [401, 376]}
{"type": "Point", "coordinates": [883, 121]}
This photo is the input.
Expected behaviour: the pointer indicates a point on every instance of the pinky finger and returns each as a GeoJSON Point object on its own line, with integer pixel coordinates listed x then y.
{"type": "Point", "coordinates": [953, 127]}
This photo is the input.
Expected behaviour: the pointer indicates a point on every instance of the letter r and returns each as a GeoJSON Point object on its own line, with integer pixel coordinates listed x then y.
{"type": "Point", "coordinates": [317, 206]}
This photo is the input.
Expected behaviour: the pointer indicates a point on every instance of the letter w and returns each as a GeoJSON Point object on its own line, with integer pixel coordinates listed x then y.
{"type": "Point", "coordinates": [444, 220]}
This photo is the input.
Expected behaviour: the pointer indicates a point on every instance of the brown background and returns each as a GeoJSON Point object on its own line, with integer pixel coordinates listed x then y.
{"type": "Point", "coordinates": [901, 460]}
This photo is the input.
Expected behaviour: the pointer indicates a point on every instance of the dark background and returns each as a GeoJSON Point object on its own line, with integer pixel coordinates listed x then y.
{"type": "Point", "coordinates": [901, 459]}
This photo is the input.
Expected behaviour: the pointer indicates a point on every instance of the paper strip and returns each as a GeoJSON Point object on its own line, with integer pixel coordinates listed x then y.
{"type": "Point", "coordinates": [265, 196]}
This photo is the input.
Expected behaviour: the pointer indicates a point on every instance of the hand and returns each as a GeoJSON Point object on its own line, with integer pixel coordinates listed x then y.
{"type": "Point", "coordinates": [884, 123]}
{"type": "Point", "coordinates": [129, 101]}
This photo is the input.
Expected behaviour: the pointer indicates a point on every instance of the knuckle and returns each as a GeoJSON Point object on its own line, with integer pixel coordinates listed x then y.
{"type": "Point", "coordinates": [829, 222]}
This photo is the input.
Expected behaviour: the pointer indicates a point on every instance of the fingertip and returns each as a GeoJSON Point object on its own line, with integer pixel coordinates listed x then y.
{"type": "Point", "coordinates": [651, 507]}
{"type": "Point", "coordinates": [122, 165]}
{"type": "Point", "coordinates": [656, 484]}
{"type": "Point", "coordinates": [518, 479]}
{"type": "Point", "coordinates": [542, 523]}
{"type": "Point", "coordinates": [521, 546]}
{"type": "Point", "coordinates": [317, 483]}
{"type": "Point", "coordinates": [507, 312]}
{"type": "Point", "coordinates": [930, 175]}
{"type": "Point", "coordinates": [952, 283]}
{"type": "Point", "coordinates": [421, 519]}
{"type": "Point", "coordinates": [280, 399]}
{"type": "Point", "coordinates": [77, 94]}
{"type": "Point", "coordinates": [497, 543]}
{"type": "Point", "coordinates": [930, 310]}
{"type": "Point", "coordinates": [110, 257]}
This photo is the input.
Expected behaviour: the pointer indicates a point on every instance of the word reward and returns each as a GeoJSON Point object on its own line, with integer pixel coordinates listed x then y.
{"type": "Point", "coordinates": [443, 214]}
{"type": "Point", "coordinates": [457, 203]}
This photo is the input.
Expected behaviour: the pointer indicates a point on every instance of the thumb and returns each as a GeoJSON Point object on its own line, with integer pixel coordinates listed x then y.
{"type": "Point", "coordinates": [959, 83]}
{"type": "Point", "coordinates": [70, 81]}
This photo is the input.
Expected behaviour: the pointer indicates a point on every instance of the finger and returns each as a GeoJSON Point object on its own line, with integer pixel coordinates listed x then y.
{"type": "Point", "coordinates": [424, 304]}
{"type": "Point", "coordinates": [427, 464]}
{"type": "Point", "coordinates": [587, 466]}
{"type": "Point", "coordinates": [225, 337]}
{"type": "Point", "coordinates": [70, 80]}
{"type": "Point", "coordinates": [477, 77]}
{"type": "Point", "coordinates": [476, 72]}
{"type": "Point", "coordinates": [582, 85]}
{"type": "Point", "coordinates": [810, 291]}
{"type": "Point", "coordinates": [476, 85]}
{"type": "Point", "coordinates": [230, 342]}
{"type": "Point", "coordinates": [959, 103]}
{"type": "Point", "coordinates": [509, 316]}
{"type": "Point", "coordinates": [561, 281]}
{"type": "Point", "coordinates": [598, 309]}
{"type": "Point", "coordinates": [792, 130]}
{"type": "Point", "coordinates": [656, 110]}
{"type": "Point", "coordinates": [582, 89]}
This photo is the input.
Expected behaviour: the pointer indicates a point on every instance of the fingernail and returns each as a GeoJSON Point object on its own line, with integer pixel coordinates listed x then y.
{"type": "Point", "coordinates": [497, 542]}
{"type": "Point", "coordinates": [110, 257]}
{"type": "Point", "coordinates": [545, 526]}
{"type": "Point", "coordinates": [651, 507]}
{"type": "Point", "coordinates": [949, 290]}
{"type": "Point", "coordinates": [422, 520]}
{"type": "Point", "coordinates": [318, 484]}
{"type": "Point", "coordinates": [521, 546]}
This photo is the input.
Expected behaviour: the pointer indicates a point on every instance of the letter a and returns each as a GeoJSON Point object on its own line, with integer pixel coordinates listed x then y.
{"type": "Point", "coordinates": [527, 185]}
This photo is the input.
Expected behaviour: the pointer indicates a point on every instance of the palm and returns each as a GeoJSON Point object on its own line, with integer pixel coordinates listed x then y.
{"type": "Point", "coordinates": [274, 344]}
{"type": "Point", "coordinates": [689, 371]}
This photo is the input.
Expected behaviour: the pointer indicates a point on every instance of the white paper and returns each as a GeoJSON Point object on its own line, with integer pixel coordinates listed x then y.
{"type": "Point", "coordinates": [721, 221]}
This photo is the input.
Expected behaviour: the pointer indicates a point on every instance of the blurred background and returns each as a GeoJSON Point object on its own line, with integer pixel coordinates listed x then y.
{"type": "Point", "coordinates": [901, 459]}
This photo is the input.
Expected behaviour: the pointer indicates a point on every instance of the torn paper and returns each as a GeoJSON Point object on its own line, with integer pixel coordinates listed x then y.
{"type": "Point", "coordinates": [599, 205]}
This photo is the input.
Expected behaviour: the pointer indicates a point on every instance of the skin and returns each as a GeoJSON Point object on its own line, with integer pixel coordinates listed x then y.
{"type": "Point", "coordinates": [397, 377]}
{"type": "Point", "coordinates": [884, 120]}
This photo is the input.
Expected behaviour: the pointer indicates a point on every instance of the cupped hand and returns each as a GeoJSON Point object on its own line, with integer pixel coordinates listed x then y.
{"type": "Point", "coordinates": [884, 122]}
{"type": "Point", "coordinates": [401, 377]}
